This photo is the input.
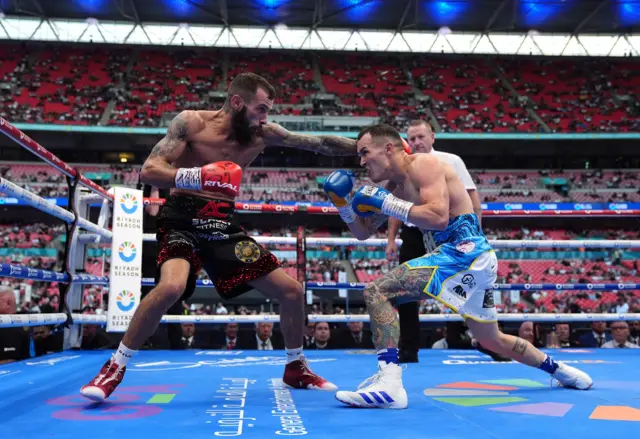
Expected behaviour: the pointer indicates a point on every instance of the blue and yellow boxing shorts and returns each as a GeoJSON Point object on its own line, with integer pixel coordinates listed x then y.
{"type": "Point", "coordinates": [464, 269]}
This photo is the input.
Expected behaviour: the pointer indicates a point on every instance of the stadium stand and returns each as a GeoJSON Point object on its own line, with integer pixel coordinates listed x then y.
{"type": "Point", "coordinates": [37, 246]}
{"type": "Point", "coordinates": [273, 186]}
{"type": "Point", "coordinates": [463, 95]}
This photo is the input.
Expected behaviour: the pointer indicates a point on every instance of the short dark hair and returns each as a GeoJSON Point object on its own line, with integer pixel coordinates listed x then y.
{"type": "Point", "coordinates": [382, 130]}
{"type": "Point", "coordinates": [247, 84]}
{"type": "Point", "coordinates": [419, 122]}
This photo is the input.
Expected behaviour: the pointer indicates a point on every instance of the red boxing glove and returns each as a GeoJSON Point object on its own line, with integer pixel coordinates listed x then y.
{"type": "Point", "coordinates": [221, 177]}
{"type": "Point", "coordinates": [406, 147]}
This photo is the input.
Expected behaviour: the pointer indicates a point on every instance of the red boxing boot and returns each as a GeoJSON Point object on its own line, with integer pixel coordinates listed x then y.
{"type": "Point", "coordinates": [105, 382]}
{"type": "Point", "coordinates": [298, 375]}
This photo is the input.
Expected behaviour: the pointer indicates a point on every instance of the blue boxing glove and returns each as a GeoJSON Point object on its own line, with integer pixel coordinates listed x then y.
{"type": "Point", "coordinates": [338, 187]}
{"type": "Point", "coordinates": [370, 200]}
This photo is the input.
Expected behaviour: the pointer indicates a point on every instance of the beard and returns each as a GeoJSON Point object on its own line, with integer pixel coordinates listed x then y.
{"type": "Point", "coordinates": [241, 131]}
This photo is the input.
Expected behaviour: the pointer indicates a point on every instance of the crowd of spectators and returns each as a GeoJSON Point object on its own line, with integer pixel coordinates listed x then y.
{"type": "Point", "coordinates": [275, 186]}
{"type": "Point", "coordinates": [577, 97]}
{"type": "Point", "coordinates": [470, 97]}
{"type": "Point", "coordinates": [40, 246]}
{"type": "Point", "coordinates": [68, 85]}
{"type": "Point", "coordinates": [59, 84]}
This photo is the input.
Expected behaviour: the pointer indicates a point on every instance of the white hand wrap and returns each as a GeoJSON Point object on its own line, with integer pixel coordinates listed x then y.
{"type": "Point", "coordinates": [396, 208]}
{"type": "Point", "coordinates": [346, 213]}
{"type": "Point", "coordinates": [189, 178]}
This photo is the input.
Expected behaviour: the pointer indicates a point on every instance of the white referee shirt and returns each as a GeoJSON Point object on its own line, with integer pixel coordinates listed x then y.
{"type": "Point", "coordinates": [458, 165]}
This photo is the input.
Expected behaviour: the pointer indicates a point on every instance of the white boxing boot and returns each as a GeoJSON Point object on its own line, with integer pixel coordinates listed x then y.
{"type": "Point", "coordinates": [571, 377]}
{"type": "Point", "coordinates": [382, 390]}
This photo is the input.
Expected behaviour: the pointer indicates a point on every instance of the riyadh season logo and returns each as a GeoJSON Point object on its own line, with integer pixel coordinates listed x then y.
{"type": "Point", "coordinates": [127, 251]}
{"type": "Point", "coordinates": [129, 203]}
{"type": "Point", "coordinates": [125, 300]}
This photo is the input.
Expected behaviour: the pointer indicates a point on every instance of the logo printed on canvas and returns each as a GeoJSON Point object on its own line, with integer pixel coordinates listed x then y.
{"type": "Point", "coordinates": [231, 362]}
{"type": "Point", "coordinates": [126, 403]}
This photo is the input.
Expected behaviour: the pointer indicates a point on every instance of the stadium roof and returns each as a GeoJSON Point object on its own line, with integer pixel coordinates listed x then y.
{"type": "Point", "coordinates": [563, 16]}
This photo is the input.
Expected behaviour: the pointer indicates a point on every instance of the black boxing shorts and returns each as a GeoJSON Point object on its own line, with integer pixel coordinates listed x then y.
{"type": "Point", "coordinates": [201, 232]}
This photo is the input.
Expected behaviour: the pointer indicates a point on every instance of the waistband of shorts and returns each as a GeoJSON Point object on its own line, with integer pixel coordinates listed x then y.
{"type": "Point", "coordinates": [460, 227]}
{"type": "Point", "coordinates": [198, 207]}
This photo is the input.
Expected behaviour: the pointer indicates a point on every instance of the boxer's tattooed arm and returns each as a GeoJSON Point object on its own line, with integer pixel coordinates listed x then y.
{"type": "Point", "coordinates": [400, 283]}
{"type": "Point", "coordinates": [374, 222]}
{"type": "Point", "coordinates": [175, 138]}
{"type": "Point", "coordinates": [276, 135]}
{"type": "Point", "coordinates": [157, 169]}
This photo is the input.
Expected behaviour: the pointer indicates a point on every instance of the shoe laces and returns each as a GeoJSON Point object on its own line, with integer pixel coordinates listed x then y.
{"type": "Point", "coordinates": [563, 373]}
{"type": "Point", "coordinates": [371, 381]}
{"type": "Point", "coordinates": [305, 367]}
{"type": "Point", "coordinates": [119, 368]}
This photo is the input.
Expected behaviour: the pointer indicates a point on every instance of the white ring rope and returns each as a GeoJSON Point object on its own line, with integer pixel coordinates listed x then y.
{"type": "Point", "coordinates": [496, 243]}
{"type": "Point", "coordinates": [40, 203]}
{"type": "Point", "coordinates": [50, 319]}
{"type": "Point", "coordinates": [11, 320]}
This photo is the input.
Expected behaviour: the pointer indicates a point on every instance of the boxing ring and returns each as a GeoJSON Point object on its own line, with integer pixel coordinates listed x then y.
{"type": "Point", "coordinates": [175, 394]}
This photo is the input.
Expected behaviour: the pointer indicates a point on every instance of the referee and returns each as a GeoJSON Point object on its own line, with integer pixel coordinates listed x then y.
{"type": "Point", "coordinates": [421, 138]}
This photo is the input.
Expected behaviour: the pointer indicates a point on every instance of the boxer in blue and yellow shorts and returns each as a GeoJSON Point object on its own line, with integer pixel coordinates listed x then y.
{"type": "Point", "coordinates": [423, 191]}
{"type": "Point", "coordinates": [464, 269]}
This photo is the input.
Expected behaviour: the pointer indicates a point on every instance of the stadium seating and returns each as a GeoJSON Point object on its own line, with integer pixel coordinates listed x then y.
{"type": "Point", "coordinates": [60, 85]}
{"type": "Point", "coordinates": [68, 85]}
{"type": "Point", "coordinates": [468, 96]}
{"type": "Point", "coordinates": [36, 246]}
{"type": "Point", "coordinates": [291, 75]}
{"type": "Point", "coordinates": [162, 82]}
{"type": "Point", "coordinates": [274, 186]}
{"type": "Point", "coordinates": [574, 97]}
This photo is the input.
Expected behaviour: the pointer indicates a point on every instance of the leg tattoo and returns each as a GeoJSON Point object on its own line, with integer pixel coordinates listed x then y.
{"type": "Point", "coordinates": [399, 283]}
{"type": "Point", "coordinates": [521, 346]}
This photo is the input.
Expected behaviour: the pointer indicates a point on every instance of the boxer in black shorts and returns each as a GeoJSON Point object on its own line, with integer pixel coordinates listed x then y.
{"type": "Point", "coordinates": [150, 249]}
{"type": "Point", "coordinates": [202, 232]}
{"type": "Point", "coordinates": [201, 160]}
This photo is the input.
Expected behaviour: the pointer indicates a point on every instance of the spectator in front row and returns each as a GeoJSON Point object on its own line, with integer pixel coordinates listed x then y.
{"type": "Point", "coordinates": [530, 332]}
{"type": "Point", "coordinates": [563, 330]}
{"type": "Point", "coordinates": [620, 331]}
{"type": "Point", "coordinates": [309, 331]}
{"type": "Point", "coordinates": [596, 338]}
{"type": "Point", "coordinates": [95, 337]}
{"type": "Point", "coordinates": [231, 336]}
{"type": "Point", "coordinates": [45, 341]}
{"type": "Point", "coordinates": [189, 339]}
{"type": "Point", "coordinates": [265, 339]}
{"type": "Point", "coordinates": [15, 341]}
{"type": "Point", "coordinates": [354, 337]}
{"type": "Point", "coordinates": [634, 328]}
{"type": "Point", "coordinates": [322, 335]}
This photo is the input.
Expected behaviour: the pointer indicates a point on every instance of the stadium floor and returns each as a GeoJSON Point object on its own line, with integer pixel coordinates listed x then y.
{"type": "Point", "coordinates": [200, 394]}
